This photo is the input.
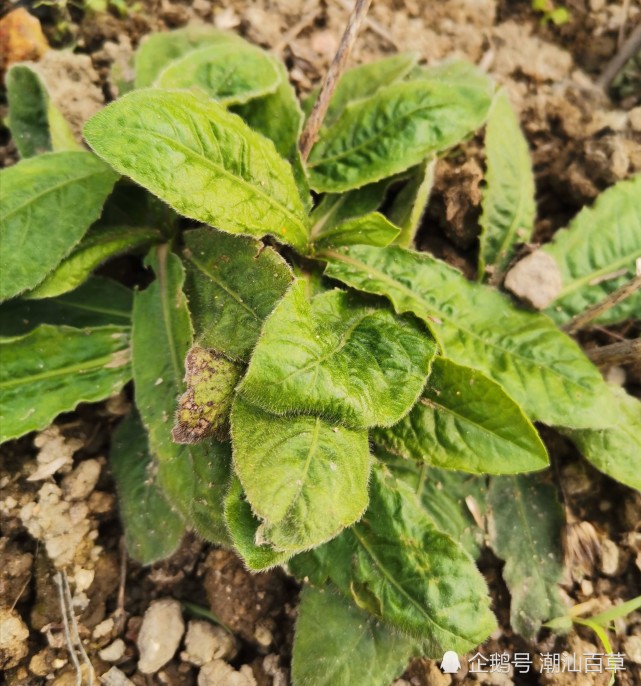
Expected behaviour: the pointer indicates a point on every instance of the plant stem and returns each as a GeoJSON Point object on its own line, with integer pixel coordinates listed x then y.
{"type": "Point", "coordinates": [614, 66]}
{"type": "Point", "coordinates": [336, 68]}
{"type": "Point", "coordinates": [626, 352]}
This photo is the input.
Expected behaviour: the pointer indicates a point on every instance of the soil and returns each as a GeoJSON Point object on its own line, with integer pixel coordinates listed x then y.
{"type": "Point", "coordinates": [57, 499]}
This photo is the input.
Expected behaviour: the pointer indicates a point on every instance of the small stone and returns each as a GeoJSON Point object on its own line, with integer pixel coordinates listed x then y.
{"type": "Point", "coordinates": [634, 118]}
{"type": "Point", "coordinates": [205, 642]}
{"type": "Point", "coordinates": [41, 663]}
{"type": "Point", "coordinates": [113, 652]}
{"type": "Point", "coordinates": [263, 636]}
{"type": "Point", "coordinates": [80, 483]}
{"type": "Point", "coordinates": [160, 633]}
{"type": "Point", "coordinates": [14, 635]}
{"type": "Point", "coordinates": [434, 676]}
{"type": "Point", "coordinates": [610, 558]}
{"type": "Point", "coordinates": [114, 677]}
{"type": "Point", "coordinates": [219, 673]}
{"type": "Point", "coordinates": [535, 279]}
{"type": "Point", "coordinates": [632, 648]}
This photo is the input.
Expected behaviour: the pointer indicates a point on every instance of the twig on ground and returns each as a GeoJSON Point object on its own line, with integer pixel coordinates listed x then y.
{"type": "Point", "coordinates": [120, 614]}
{"type": "Point", "coordinates": [625, 10]}
{"type": "Point", "coordinates": [373, 25]}
{"type": "Point", "coordinates": [625, 352]}
{"type": "Point", "coordinates": [310, 132]}
{"type": "Point", "coordinates": [65, 620]}
{"type": "Point", "coordinates": [614, 66]}
{"type": "Point", "coordinates": [585, 317]}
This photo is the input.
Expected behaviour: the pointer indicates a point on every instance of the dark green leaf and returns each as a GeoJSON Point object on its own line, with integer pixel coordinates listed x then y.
{"type": "Point", "coordinates": [539, 367]}
{"type": "Point", "coordinates": [409, 205]}
{"type": "Point", "coordinates": [232, 284]}
{"type": "Point", "coordinates": [203, 161]}
{"type": "Point", "coordinates": [52, 369]}
{"type": "Point", "coordinates": [152, 529]}
{"type": "Point", "coordinates": [49, 200]}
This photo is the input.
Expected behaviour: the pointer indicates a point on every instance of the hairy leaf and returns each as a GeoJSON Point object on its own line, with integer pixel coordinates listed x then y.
{"type": "Point", "coordinates": [160, 49]}
{"type": "Point", "coordinates": [370, 229]}
{"type": "Point", "coordinates": [49, 200]}
{"type": "Point", "coordinates": [202, 160]}
{"type": "Point", "coordinates": [615, 451]}
{"type": "Point", "coordinates": [467, 422]}
{"type": "Point", "coordinates": [540, 367]}
{"type": "Point", "coordinates": [508, 201]}
{"type": "Point", "coordinates": [359, 649]}
{"type": "Point", "coordinates": [232, 285]}
{"type": "Point", "coordinates": [52, 369]}
{"type": "Point", "coordinates": [525, 530]}
{"type": "Point", "coordinates": [98, 245]}
{"type": "Point", "coordinates": [98, 302]}
{"type": "Point", "coordinates": [244, 529]}
{"type": "Point", "coordinates": [228, 73]}
{"type": "Point", "coordinates": [152, 529]}
{"type": "Point", "coordinates": [597, 253]}
{"type": "Point", "coordinates": [395, 129]}
{"type": "Point", "coordinates": [398, 566]}
{"type": "Point", "coordinates": [363, 81]}
{"type": "Point", "coordinates": [305, 477]}
{"type": "Point", "coordinates": [409, 205]}
{"type": "Point", "coordinates": [203, 410]}
{"type": "Point", "coordinates": [337, 359]}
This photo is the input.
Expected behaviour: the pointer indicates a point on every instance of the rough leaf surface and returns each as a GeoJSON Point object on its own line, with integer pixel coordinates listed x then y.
{"type": "Point", "coordinates": [370, 229]}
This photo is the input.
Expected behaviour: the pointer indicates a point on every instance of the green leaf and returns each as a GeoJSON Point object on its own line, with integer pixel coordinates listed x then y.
{"type": "Point", "coordinates": [97, 246]}
{"type": "Point", "coordinates": [395, 564]}
{"type": "Point", "coordinates": [244, 529]}
{"type": "Point", "coordinates": [370, 229]}
{"type": "Point", "coordinates": [159, 49]}
{"type": "Point", "coordinates": [337, 359]}
{"type": "Point", "coordinates": [597, 253]}
{"type": "Point", "coordinates": [363, 81]}
{"type": "Point", "coordinates": [542, 369]}
{"type": "Point", "coordinates": [49, 200]}
{"type": "Point", "coordinates": [467, 422]}
{"type": "Point", "coordinates": [152, 529]}
{"type": "Point", "coordinates": [202, 160]}
{"type": "Point", "coordinates": [305, 477]}
{"type": "Point", "coordinates": [36, 125]}
{"type": "Point", "coordinates": [229, 73]}
{"type": "Point", "coordinates": [525, 530]}
{"type": "Point", "coordinates": [409, 205]}
{"type": "Point", "coordinates": [509, 208]}
{"type": "Point", "coordinates": [98, 302]}
{"type": "Point", "coordinates": [52, 369]}
{"type": "Point", "coordinates": [203, 410]}
{"type": "Point", "coordinates": [232, 285]}
{"type": "Point", "coordinates": [160, 341]}
{"type": "Point", "coordinates": [615, 451]}
{"type": "Point", "coordinates": [395, 129]}
{"type": "Point", "coordinates": [359, 649]}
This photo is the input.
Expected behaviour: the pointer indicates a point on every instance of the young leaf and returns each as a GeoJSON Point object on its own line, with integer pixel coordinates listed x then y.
{"type": "Point", "coordinates": [466, 421]}
{"type": "Point", "coordinates": [508, 201]}
{"type": "Point", "coordinates": [395, 564]}
{"type": "Point", "coordinates": [244, 529]}
{"type": "Point", "coordinates": [36, 124]}
{"type": "Point", "coordinates": [525, 530]}
{"type": "Point", "coordinates": [98, 302]}
{"type": "Point", "coordinates": [229, 73]}
{"type": "Point", "coordinates": [232, 285]}
{"type": "Point", "coordinates": [152, 529]}
{"type": "Point", "coordinates": [409, 205]}
{"type": "Point", "coordinates": [203, 410]}
{"type": "Point", "coordinates": [160, 341]}
{"type": "Point", "coordinates": [335, 358]}
{"type": "Point", "coordinates": [98, 245]}
{"type": "Point", "coordinates": [52, 369]}
{"type": "Point", "coordinates": [370, 229]}
{"type": "Point", "coordinates": [395, 129]}
{"type": "Point", "coordinates": [359, 649]}
{"type": "Point", "coordinates": [362, 82]}
{"type": "Point", "coordinates": [306, 478]}
{"type": "Point", "coordinates": [203, 161]}
{"type": "Point", "coordinates": [541, 368]}
{"type": "Point", "coordinates": [47, 200]}
{"type": "Point", "coordinates": [159, 49]}
{"type": "Point", "coordinates": [597, 253]}
{"type": "Point", "coordinates": [615, 451]}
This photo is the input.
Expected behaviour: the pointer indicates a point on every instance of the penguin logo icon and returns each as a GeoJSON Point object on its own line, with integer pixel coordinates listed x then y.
{"type": "Point", "coordinates": [450, 663]}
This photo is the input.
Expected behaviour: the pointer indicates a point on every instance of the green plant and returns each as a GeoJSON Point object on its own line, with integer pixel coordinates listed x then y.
{"type": "Point", "coordinates": [333, 375]}
{"type": "Point", "coordinates": [551, 13]}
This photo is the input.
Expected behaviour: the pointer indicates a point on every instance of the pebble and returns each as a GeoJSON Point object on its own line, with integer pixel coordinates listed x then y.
{"type": "Point", "coordinates": [632, 648]}
{"type": "Point", "coordinates": [13, 638]}
{"type": "Point", "coordinates": [219, 673]}
{"type": "Point", "coordinates": [80, 483]}
{"type": "Point", "coordinates": [535, 279]}
{"type": "Point", "coordinates": [610, 558]}
{"type": "Point", "coordinates": [114, 677]}
{"type": "Point", "coordinates": [160, 633]}
{"type": "Point", "coordinates": [113, 652]}
{"type": "Point", "coordinates": [205, 642]}
{"type": "Point", "coordinates": [263, 636]}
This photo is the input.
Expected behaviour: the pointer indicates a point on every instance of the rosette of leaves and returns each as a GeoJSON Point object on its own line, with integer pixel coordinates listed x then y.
{"type": "Point", "coordinates": [309, 389]}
